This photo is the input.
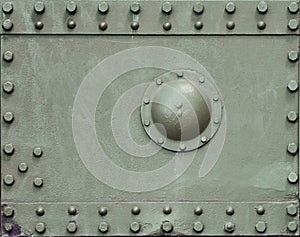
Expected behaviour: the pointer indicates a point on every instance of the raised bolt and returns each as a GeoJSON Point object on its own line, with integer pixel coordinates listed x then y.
{"type": "Point", "coordinates": [198, 25]}
{"type": "Point", "coordinates": [8, 117]}
{"type": "Point", "coordinates": [293, 7]}
{"type": "Point", "coordinates": [292, 177]}
{"type": "Point", "coordinates": [71, 24]}
{"type": "Point", "coordinates": [103, 227]}
{"type": "Point", "coordinates": [198, 227]}
{"type": "Point", "coordinates": [160, 140]}
{"type": "Point", "coordinates": [198, 211]}
{"type": "Point", "coordinates": [292, 210]}
{"type": "Point", "coordinates": [261, 25]}
{"type": "Point", "coordinates": [72, 227]}
{"type": "Point", "coordinates": [167, 210]}
{"type": "Point", "coordinates": [8, 56]}
{"type": "Point", "coordinates": [146, 123]}
{"type": "Point", "coordinates": [167, 226]}
{"type": "Point", "coordinates": [39, 7]}
{"type": "Point", "coordinates": [167, 26]}
{"type": "Point", "coordinates": [7, 25]}
{"type": "Point", "coordinates": [8, 87]}
{"type": "Point", "coordinates": [166, 7]}
{"type": "Point", "coordinates": [293, 24]}
{"type": "Point", "coordinates": [198, 8]}
{"type": "Point", "coordinates": [72, 210]}
{"type": "Point", "coordinates": [158, 81]}
{"type": "Point", "coordinates": [37, 152]}
{"type": "Point", "coordinates": [71, 7]}
{"type": "Point", "coordinates": [292, 148]}
{"type": "Point", "coordinates": [146, 100]}
{"type": "Point", "coordinates": [229, 211]}
{"type": "Point", "coordinates": [201, 79]}
{"type": "Point", "coordinates": [23, 167]}
{"type": "Point", "coordinates": [103, 7]}
{"type": "Point", "coordinates": [292, 116]}
{"type": "Point", "coordinates": [179, 74]}
{"type": "Point", "coordinates": [260, 226]}
{"type": "Point", "coordinates": [39, 25]}
{"type": "Point", "coordinates": [292, 86]}
{"type": "Point", "coordinates": [260, 210]}
{"type": "Point", "coordinates": [38, 182]}
{"type": "Point", "coordinates": [262, 7]}
{"type": "Point", "coordinates": [135, 25]}
{"type": "Point", "coordinates": [230, 25]}
{"type": "Point", "coordinates": [229, 227]}
{"type": "Point", "coordinates": [216, 121]}
{"type": "Point", "coordinates": [292, 226]}
{"type": "Point", "coordinates": [135, 7]}
{"type": "Point", "coordinates": [203, 139]}
{"type": "Point", "coordinates": [182, 147]}
{"type": "Point", "coordinates": [7, 7]}
{"type": "Point", "coordinates": [293, 56]}
{"type": "Point", "coordinates": [102, 211]}
{"type": "Point", "coordinates": [8, 227]}
{"type": "Point", "coordinates": [9, 180]}
{"type": "Point", "coordinates": [8, 211]}
{"type": "Point", "coordinates": [135, 210]}
{"type": "Point", "coordinates": [103, 26]}
{"type": "Point", "coordinates": [40, 227]}
{"type": "Point", "coordinates": [135, 227]}
{"type": "Point", "coordinates": [8, 149]}
{"type": "Point", "coordinates": [40, 211]}
{"type": "Point", "coordinates": [230, 8]}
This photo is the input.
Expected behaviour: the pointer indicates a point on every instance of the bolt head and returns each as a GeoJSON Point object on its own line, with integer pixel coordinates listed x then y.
{"type": "Point", "coordinates": [71, 7]}
{"type": "Point", "coordinates": [8, 56]}
{"type": "Point", "coordinates": [39, 7]}
{"type": "Point", "coordinates": [230, 8]}
{"type": "Point", "coordinates": [37, 152]}
{"type": "Point", "coordinates": [260, 227]}
{"type": "Point", "coordinates": [293, 24]}
{"type": "Point", "coordinates": [166, 227]}
{"type": "Point", "coordinates": [292, 210]}
{"type": "Point", "coordinates": [8, 211]}
{"type": "Point", "coordinates": [103, 227]}
{"type": "Point", "coordinates": [292, 86]}
{"type": "Point", "coordinates": [103, 26]}
{"type": "Point", "coordinates": [198, 25]}
{"type": "Point", "coordinates": [135, 7]}
{"type": "Point", "coordinates": [8, 87]}
{"type": "Point", "coordinates": [260, 210]}
{"type": "Point", "coordinates": [198, 211]}
{"type": "Point", "coordinates": [229, 211]}
{"type": "Point", "coordinates": [293, 56]}
{"type": "Point", "coordinates": [40, 227]}
{"type": "Point", "coordinates": [7, 25]}
{"type": "Point", "coordinates": [230, 25]}
{"type": "Point", "coordinates": [135, 227]}
{"type": "Point", "coordinates": [292, 226]}
{"type": "Point", "coordinates": [103, 7]}
{"type": "Point", "coordinates": [261, 25]}
{"type": "Point", "coordinates": [71, 24]}
{"type": "Point", "coordinates": [182, 147]}
{"type": "Point", "coordinates": [8, 117]}
{"type": "Point", "coordinates": [72, 210]}
{"type": "Point", "coordinates": [292, 116]}
{"type": "Point", "coordinates": [135, 210]}
{"type": "Point", "coordinates": [8, 227]}
{"type": "Point", "coordinates": [167, 210]}
{"type": "Point", "coordinates": [262, 7]}
{"type": "Point", "coordinates": [7, 7]}
{"type": "Point", "coordinates": [40, 211]}
{"type": "Point", "coordinates": [198, 8]}
{"type": "Point", "coordinates": [72, 227]}
{"type": "Point", "coordinates": [167, 26]}
{"type": "Point", "coordinates": [8, 149]}
{"type": "Point", "coordinates": [9, 180]}
{"type": "Point", "coordinates": [102, 211]}
{"type": "Point", "coordinates": [166, 7]}
{"type": "Point", "coordinates": [293, 7]}
{"type": "Point", "coordinates": [23, 167]}
{"type": "Point", "coordinates": [292, 178]}
{"type": "Point", "coordinates": [292, 148]}
{"type": "Point", "coordinates": [39, 25]}
{"type": "Point", "coordinates": [203, 139]}
{"type": "Point", "coordinates": [229, 227]}
{"type": "Point", "coordinates": [38, 182]}
{"type": "Point", "coordinates": [135, 25]}
{"type": "Point", "coordinates": [198, 227]}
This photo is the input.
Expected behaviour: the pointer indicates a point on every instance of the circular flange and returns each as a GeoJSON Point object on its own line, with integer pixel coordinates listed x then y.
{"type": "Point", "coordinates": [181, 110]}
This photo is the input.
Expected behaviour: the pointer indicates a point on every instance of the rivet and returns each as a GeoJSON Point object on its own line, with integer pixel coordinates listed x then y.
{"type": "Point", "coordinates": [167, 26]}
{"type": "Point", "coordinates": [8, 87]}
{"type": "Point", "coordinates": [167, 210]}
{"type": "Point", "coordinates": [293, 56]}
{"type": "Point", "coordinates": [7, 7]}
{"type": "Point", "coordinates": [160, 140]}
{"type": "Point", "coordinates": [40, 227]}
{"type": "Point", "coordinates": [198, 211]}
{"type": "Point", "coordinates": [7, 25]}
{"type": "Point", "coordinates": [102, 211]}
{"type": "Point", "coordinates": [103, 7]}
{"type": "Point", "coordinates": [72, 227]}
{"type": "Point", "coordinates": [179, 74]}
{"type": "Point", "coordinates": [71, 24]}
{"type": "Point", "coordinates": [260, 210]}
{"type": "Point", "coordinates": [103, 26]}
{"type": "Point", "coordinates": [182, 147]}
{"type": "Point", "coordinates": [103, 227]}
{"type": "Point", "coordinates": [40, 211]}
{"type": "Point", "coordinates": [72, 210]}
{"type": "Point", "coordinates": [135, 25]}
{"type": "Point", "coordinates": [198, 8]}
{"type": "Point", "coordinates": [203, 139]}
{"type": "Point", "coordinates": [135, 210]}
{"type": "Point", "coordinates": [37, 152]}
{"type": "Point", "coordinates": [39, 25]}
{"type": "Point", "coordinates": [198, 227]}
{"type": "Point", "coordinates": [292, 226]}
{"type": "Point", "coordinates": [230, 8]}
{"type": "Point", "coordinates": [262, 7]}
{"type": "Point", "coordinates": [22, 167]}
{"type": "Point", "coordinates": [167, 226]}
{"type": "Point", "coordinates": [39, 7]}
{"type": "Point", "coordinates": [261, 25]}
{"type": "Point", "coordinates": [292, 86]}
{"type": "Point", "coordinates": [230, 25]}
{"type": "Point", "coordinates": [71, 7]}
{"type": "Point", "coordinates": [9, 180]}
{"type": "Point", "coordinates": [135, 7]}
{"type": "Point", "coordinates": [292, 177]}
{"type": "Point", "coordinates": [8, 149]}
{"type": "Point", "coordinates": [201, 79]}
{"type": "Point", "coordinates": [166, 7]}
{"type": "Point", "coordinates": [8, 227]}
{"type": "Point", "coordinates": [293, 24]}
{"type": "Point", "coordinates": [229, 211]}
{"type": "Point", "coordinates": [38, 182]}
{"type": "Point", "coordinates": [8, 117]}
{"type": "Point", "coordinates": [146, 123]}
{"type": "Point", "coordinates": [293, 7]}
{"type": "Point", "coordinates": [198, 25]}
{"type": "Point", "coordinates": [292, 210]}
{"type": "Point", "coordinates": [292, 116]}
{"type": "Point", "coordinates": [8, 56]}
{"type": "Point", "coordinates": [146, 100]}
{"type": "Point", "coordinates": [216, 99]}
{"type": "Point", "coordinates": [135, 227]}
{"type": "Point", "coordinates": [216, 121]}
{"type": "Point", "coordinates": [158, 81]}
{"type": "Point", "coordinates": [229, 227]}
{"type": "Point", "coordinates": [292, 148]}
{"type": "Point", "coordinates": [8, 211]}
{"type": "Point", "coordinates": [260, 227]}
